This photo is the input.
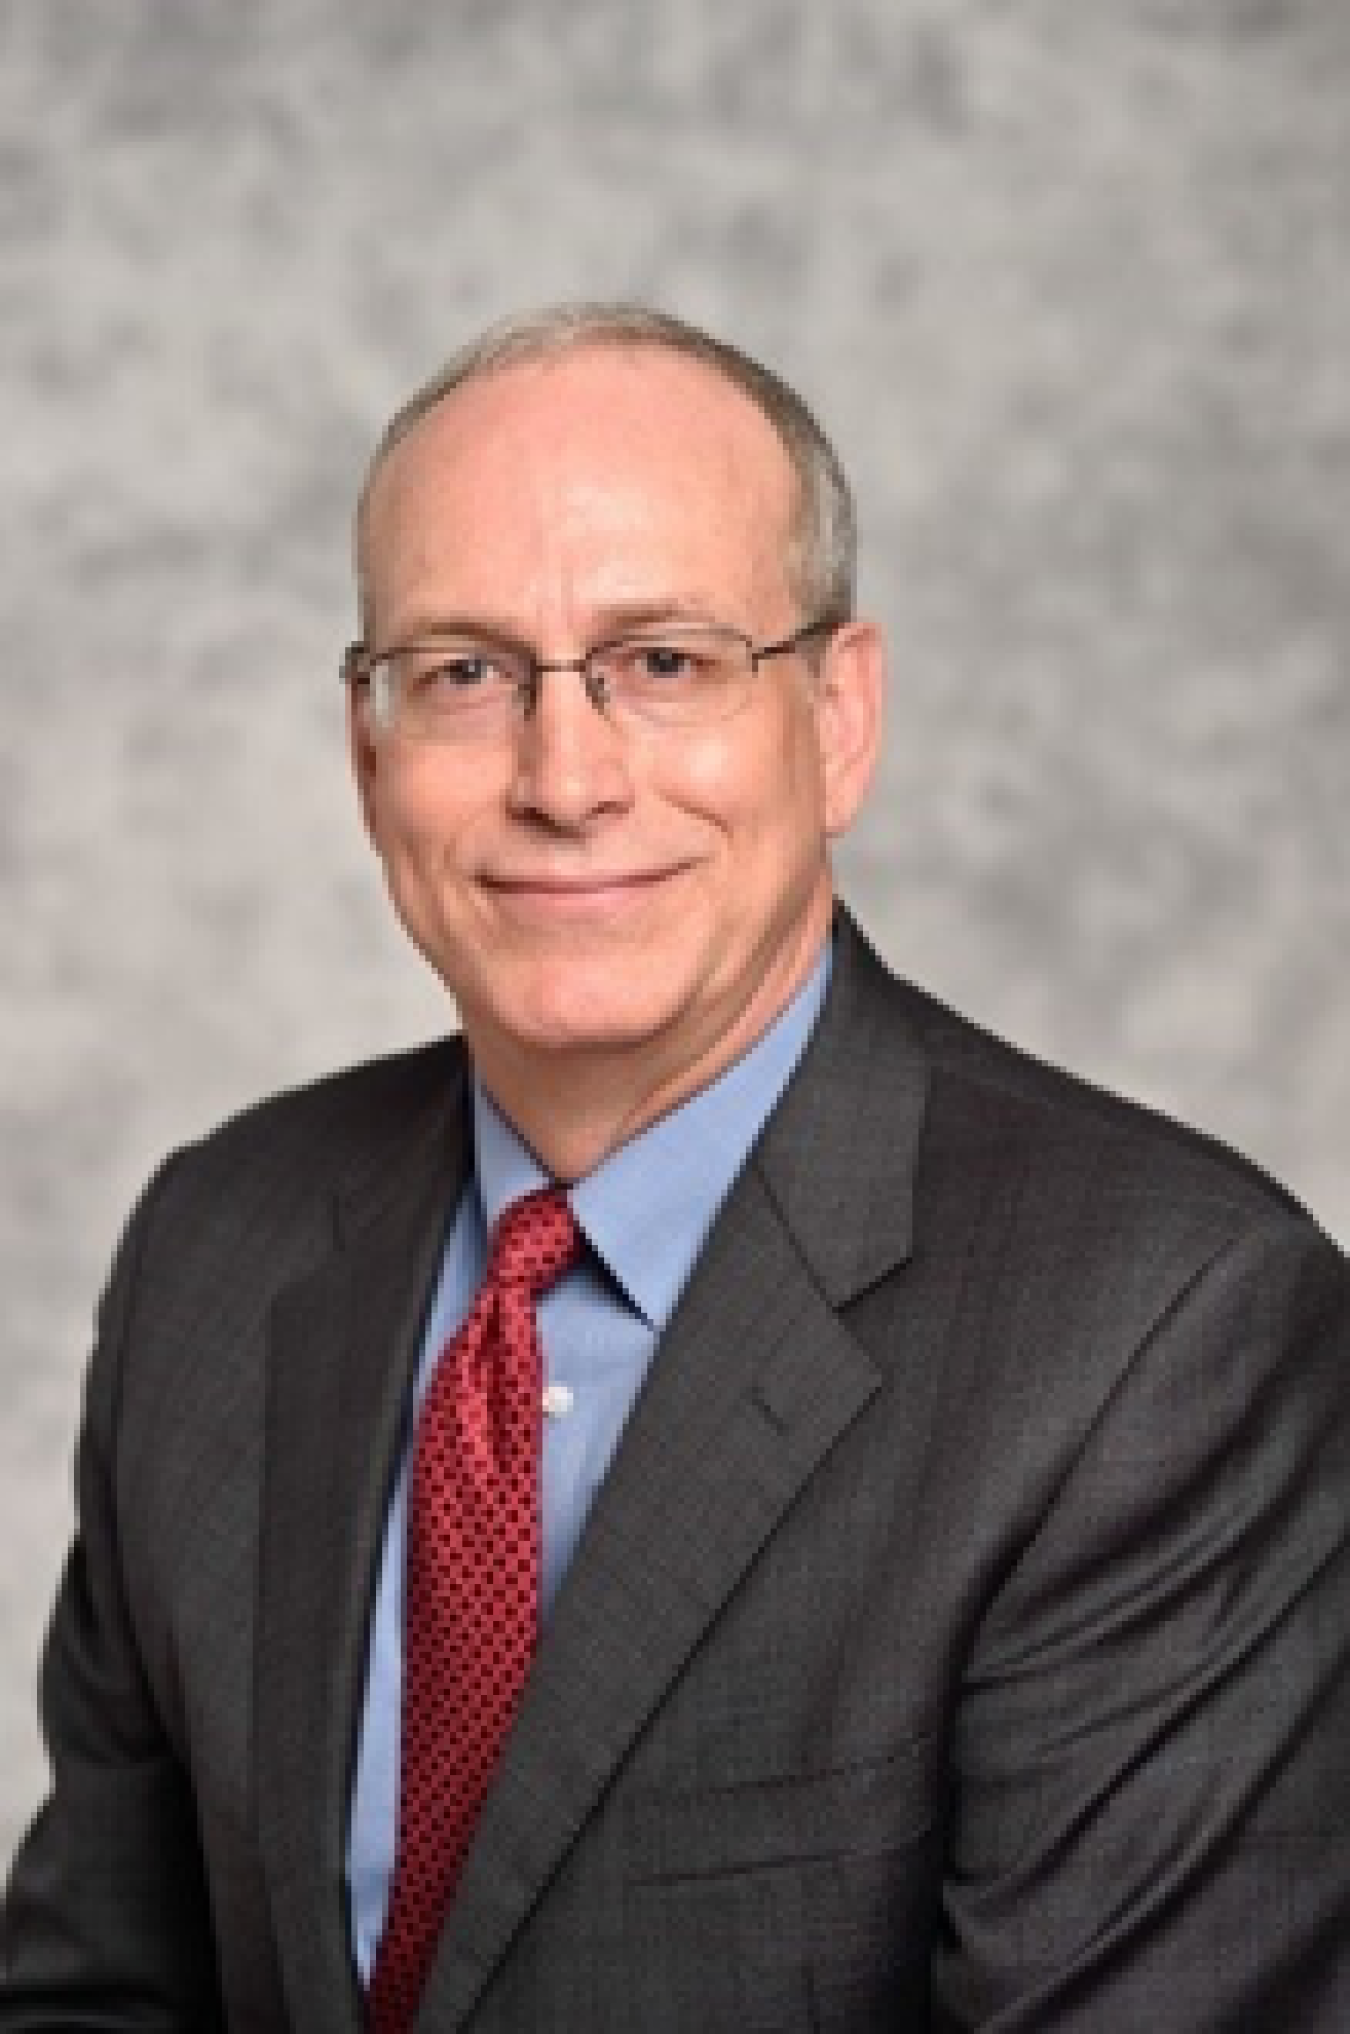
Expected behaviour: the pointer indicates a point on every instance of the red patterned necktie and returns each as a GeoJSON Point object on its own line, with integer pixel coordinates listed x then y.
{"type": "Point", "coordinates": [472, 1596]}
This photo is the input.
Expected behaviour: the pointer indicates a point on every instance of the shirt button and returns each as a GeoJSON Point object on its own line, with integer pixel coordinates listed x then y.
{"type": "Point", "coordinates": [557, 1401]}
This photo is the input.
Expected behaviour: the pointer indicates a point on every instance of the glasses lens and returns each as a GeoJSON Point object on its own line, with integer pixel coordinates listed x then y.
{"type": "Point", "coordinates": [681, 677]}
{"type": "Point", "coordinates": [450, 691]}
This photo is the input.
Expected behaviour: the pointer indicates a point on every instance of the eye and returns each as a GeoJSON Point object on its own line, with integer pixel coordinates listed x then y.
{"type": "Point", "coordinates": [669, 663]}
{"type": "Point", "coordinates": [460, 671]}
{"type": "Point", "coordinates": [453, 675]}
{"type": "Point", "coordinates": [663, 660]}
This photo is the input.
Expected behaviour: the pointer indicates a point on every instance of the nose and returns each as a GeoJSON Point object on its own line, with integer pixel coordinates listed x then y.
{"type": "Point", "coordinates": [571, 762]}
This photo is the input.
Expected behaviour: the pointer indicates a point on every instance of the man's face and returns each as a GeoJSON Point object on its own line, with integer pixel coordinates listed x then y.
{"type": "Point", "coordinates": [643, 900]}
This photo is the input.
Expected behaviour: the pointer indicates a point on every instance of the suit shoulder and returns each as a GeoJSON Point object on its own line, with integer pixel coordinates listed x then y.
{"type": "Point", "coordinates": [342, 1121]}
{"type": "Point", "coordinates": [1126, 1142]}
{"type": "Point", "coordinates": [1053, 1123]}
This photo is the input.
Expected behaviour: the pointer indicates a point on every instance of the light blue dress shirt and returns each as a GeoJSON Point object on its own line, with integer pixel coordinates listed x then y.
{"type": "Point", "coordinates": [644, 1214]}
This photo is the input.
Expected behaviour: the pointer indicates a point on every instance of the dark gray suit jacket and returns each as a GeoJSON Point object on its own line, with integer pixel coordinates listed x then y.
{"type": "Point", "coordinates": [961, 1638]}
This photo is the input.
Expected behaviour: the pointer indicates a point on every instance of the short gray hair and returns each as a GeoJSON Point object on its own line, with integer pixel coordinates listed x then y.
{"type": "Point", "coordinates": [822, 541]}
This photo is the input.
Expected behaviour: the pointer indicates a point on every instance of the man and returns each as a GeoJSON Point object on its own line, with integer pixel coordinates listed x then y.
{"type": "Point", "coordinates": [874, 1551]}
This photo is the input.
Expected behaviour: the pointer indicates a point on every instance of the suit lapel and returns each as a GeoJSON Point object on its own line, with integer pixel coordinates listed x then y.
{"type": "Point", "coordinates": [344, 1347]}
{"type": "Point", "coordinates": [755, 1379]}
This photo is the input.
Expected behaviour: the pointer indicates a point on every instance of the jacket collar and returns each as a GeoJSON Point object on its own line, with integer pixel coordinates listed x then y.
{"type": "Point", "coordinates": [344, 1344]}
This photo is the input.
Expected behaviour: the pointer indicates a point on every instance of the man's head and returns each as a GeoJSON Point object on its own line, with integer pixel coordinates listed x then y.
{"type": "Point", "coordinates": [823, 543]}
{"type": "Point", "coordinates": [621, 891]}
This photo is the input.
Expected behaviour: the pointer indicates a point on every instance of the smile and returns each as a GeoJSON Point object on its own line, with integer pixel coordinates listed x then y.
{"type": "Point", "coordinates": [577, 893]}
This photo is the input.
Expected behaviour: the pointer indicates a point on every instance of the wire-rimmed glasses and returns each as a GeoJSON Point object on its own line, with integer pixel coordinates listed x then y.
{"type": "Point", "coordinates": [458, 688]}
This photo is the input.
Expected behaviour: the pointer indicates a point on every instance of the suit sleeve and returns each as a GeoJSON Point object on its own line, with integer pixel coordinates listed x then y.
{"type": "Point", "coordinates": [105, 1922]}
{"type": "Point", "coordinates": [1151, 1759]}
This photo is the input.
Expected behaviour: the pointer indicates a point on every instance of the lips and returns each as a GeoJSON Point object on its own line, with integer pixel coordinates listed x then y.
{"type": "Point", "coordinates": [598, 884]}
{"type": "Point", "coordinates": [544, 904]}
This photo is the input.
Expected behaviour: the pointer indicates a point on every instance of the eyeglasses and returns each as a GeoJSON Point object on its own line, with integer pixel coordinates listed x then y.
{"type": "Point", "coordinates": [458, 689]}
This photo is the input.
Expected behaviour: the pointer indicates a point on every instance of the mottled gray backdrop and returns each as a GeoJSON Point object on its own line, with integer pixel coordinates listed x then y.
{"type": "Point", "coordinates": [1067, 278]}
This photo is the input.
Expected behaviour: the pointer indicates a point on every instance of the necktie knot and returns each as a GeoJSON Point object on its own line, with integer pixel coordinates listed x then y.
{"type": "Point", "coordinates": [536, 1238]}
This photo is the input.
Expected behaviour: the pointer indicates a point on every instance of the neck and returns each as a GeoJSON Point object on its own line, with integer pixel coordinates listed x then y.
{"type": "Point", "coordinates": [574, 1106]}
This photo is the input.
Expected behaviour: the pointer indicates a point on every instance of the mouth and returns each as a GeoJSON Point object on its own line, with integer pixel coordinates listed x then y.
{"type": "Point", "coordinates": [578, 893]}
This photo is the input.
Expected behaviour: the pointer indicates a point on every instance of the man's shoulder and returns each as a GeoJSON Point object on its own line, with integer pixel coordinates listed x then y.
{"type": "Point", "coordinates": [338, 1125]}
{"type": "Point", "coordinates": [231, 1220]}
{"type": "Point", "coordinates": [1126, 1142]}
{"type": "Point", "coordinates": [1047, 1119]}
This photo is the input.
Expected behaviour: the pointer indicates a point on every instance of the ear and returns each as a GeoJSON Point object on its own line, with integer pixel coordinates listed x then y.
{"type": "Point", "coordinates": [850, 690]}
{"type": "Point", "coordinates": [362, 749]}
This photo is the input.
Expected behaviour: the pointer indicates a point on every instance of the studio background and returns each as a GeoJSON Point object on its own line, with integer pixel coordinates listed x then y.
{"type": "Point", "coordinates": [1066, 279]}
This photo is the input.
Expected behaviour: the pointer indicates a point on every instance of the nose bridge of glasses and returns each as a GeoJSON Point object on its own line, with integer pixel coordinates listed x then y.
{"type": "Point", "coordinates": [589, 667]}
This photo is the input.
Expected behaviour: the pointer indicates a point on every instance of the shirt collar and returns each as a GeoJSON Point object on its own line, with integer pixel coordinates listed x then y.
{"type": "Point", "coordinates": [647, 1209]}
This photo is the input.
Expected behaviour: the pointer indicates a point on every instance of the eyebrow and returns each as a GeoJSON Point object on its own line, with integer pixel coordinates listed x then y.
{"type": "Point", "coordinates": [613, 619]}
{"type": "Point", "coordinates": [639, 614]}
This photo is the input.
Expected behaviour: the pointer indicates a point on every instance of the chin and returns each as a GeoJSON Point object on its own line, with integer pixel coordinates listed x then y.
{"type": "Point", "coordinates": [572, 1008]}
{"type": "Point", "coordinates": [586, 1029]}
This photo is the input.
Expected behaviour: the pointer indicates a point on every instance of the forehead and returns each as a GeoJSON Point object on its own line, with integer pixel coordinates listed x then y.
{"type": "Point", "coordinates": [603, 448]}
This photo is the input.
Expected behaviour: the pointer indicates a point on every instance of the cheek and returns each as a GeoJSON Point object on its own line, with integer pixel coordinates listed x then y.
{"type": "Point", "coordinates": [752, 781]}
{"type": "Point", "coordinates": [422, 807]}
